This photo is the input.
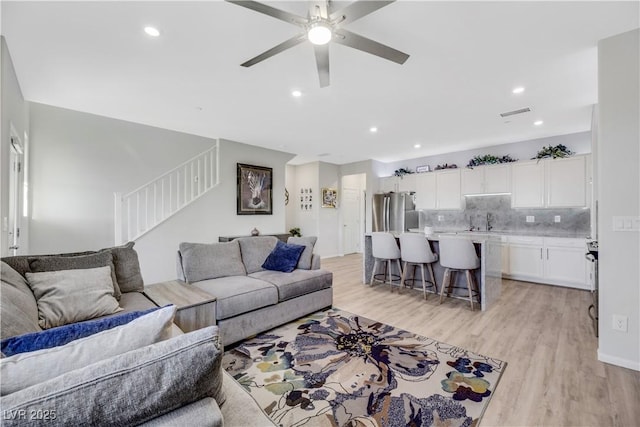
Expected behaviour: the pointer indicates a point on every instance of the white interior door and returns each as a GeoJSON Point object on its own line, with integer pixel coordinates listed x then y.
{"type": "Point", "coordinates": [16, 179]}
{"type": "Point", "coordinates": [351, 229]}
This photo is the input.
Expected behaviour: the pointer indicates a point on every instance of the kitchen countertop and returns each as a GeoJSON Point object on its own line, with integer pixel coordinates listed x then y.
{"type": "Point", "coordinates": [560, 233]}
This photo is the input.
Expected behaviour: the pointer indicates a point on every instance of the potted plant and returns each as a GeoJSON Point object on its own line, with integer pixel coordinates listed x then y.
{"type": "Point", "coordinates": [559, 151]}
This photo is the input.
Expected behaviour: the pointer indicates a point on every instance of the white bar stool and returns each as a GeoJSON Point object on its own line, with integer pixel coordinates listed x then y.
{"type": "Point", "coordinates": [385, 248]}
{"type": "Point", "coordinates": [458, 254]}
{"type": "Point", "coordinates": [415, 250]}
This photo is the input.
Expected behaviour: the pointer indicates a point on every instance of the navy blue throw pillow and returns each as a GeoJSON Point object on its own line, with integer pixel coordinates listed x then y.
{"type": "Point", "coordinates": [62, 335]}
{"type": "Point", "coordinates": [284, 257]}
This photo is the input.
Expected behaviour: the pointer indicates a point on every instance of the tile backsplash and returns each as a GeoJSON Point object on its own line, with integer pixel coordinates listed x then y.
{"type": "Point", "coordinates": [575, 221]}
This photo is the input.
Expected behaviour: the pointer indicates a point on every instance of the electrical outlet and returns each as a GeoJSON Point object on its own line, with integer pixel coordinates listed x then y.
{"type": "Point", "coordinates": [556, 218]}
{"type": "Point", "coordinates": [440, 217]}
{"type": "Point", "coordinates": [620, 323]}
{"type": "Point", "coordinates": [531, 218]}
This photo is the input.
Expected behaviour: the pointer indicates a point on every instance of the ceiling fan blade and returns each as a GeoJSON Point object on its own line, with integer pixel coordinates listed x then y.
{"type": "Point", "coordinates": [357, 10]}
{"type": "Point", "coordinates": [293, 41]}
{"type": "Point", "coordinates": [322, 61]}
{"type": "Point", "coordinates": [291, 18]}
{"type": "Point", "coordinates": [347, 38]}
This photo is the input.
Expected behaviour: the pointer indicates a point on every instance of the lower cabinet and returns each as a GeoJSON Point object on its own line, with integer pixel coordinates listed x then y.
{"type": "Point", "coordinates": [549, 260]}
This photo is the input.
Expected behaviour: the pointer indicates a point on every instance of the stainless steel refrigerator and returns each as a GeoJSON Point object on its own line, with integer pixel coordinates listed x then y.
{"type": "Point", "coordinates": [394, 212]}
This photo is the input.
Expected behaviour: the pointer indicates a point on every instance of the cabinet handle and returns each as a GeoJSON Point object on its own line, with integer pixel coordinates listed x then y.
{"type": "Point", "coordinates": [541, 253]}
{"type": "Point", "coordinates": [547, 253]}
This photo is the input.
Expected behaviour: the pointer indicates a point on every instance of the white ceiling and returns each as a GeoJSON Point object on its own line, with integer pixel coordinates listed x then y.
{"type": "Point", "coordinates": [466, 57]}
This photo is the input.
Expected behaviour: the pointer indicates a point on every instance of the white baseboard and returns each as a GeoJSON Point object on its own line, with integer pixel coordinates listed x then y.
{"type": "Point", "coordinates": [618, 361]}
{"type": "Point", "coordinates": [330, 256]}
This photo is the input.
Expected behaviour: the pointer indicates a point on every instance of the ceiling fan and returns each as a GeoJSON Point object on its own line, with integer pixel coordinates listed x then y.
{"type": "Point", "coordinates": [321, 26]}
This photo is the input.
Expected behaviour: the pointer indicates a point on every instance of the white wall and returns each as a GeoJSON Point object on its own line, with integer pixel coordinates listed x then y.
{"type": "Point", "coordinates": [79, 160]}
{"type": "Point", "coordinates": [15, 113]}
{"type": "Point", "coordinates": [329, 235]}
{"type": "Point", "coordinates": [619, 194]}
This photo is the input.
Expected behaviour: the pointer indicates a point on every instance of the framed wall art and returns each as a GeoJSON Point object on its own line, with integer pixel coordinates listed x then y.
{"type": "Point", "coordinates": [254, 190]}
{"type": "Point", "coordinates": [329, 198]}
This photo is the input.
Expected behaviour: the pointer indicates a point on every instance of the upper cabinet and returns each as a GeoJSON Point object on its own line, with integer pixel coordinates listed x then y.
{"type": "Point", "coordinates": [397, 183]}
{"type": "Point", "coordinates": [567, 182]}
{"type": "Point", "coordinates": [438, 190]}
{"type": "Point", "coordinates": [550, 183]}
{"type": "Point", "coordinates": [388, 184]}
{"type": "Point", "coordinates": [407, 183]}
{"type": "Point", "coordinates": [448, 195]}
{"type": "Point", "coordinates": [486, 179]}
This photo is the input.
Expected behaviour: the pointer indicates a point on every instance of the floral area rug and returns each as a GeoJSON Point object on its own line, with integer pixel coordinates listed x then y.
{"type": "Point", "coordinates": [335, 368]}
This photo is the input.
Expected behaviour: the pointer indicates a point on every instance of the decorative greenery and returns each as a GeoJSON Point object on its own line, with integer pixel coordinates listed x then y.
{"type": "Point", "coordinates": [295, 232]}
{"type": "Point", "coordinates": [402, 172]}
{"type": "Point", "coordinates": [489, 159]}
{"type": "Point", "coordinates": [445, 166]}
{"type": "Point", "coordinates": [558, 151]}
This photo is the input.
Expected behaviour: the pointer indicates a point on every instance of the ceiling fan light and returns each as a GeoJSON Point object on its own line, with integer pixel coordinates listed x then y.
{"type": "Point", "coordinates": [319, 33]}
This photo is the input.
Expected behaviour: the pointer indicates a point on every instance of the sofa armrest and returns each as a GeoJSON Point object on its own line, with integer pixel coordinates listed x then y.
{"type": "Point", "coordinates": [204, 412]}
{"type": "Point", "coordinates": [315, 262]}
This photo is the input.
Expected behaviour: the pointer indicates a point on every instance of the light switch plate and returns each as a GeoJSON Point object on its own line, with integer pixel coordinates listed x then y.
{"type": "Point", "coordinates": [626, 223]}
{"type": "Point", "coordinates": [557, 218]}
{"type": "Point", "coordinates": [530, 218]}
{"type": "Point", "coordinates": [620, 323]}
{"type": "Point", "coordinates": [440, 218]}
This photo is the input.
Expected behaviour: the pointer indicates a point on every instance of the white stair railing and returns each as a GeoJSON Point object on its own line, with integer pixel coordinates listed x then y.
{"type": "Point", "coordinates": [141, 210]}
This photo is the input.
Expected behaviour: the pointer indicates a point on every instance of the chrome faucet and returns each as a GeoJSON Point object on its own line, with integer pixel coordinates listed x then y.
{"type": "Point", "coordinates": [471, 226]}
{"type": "Point", "coordinates": [489, 218]}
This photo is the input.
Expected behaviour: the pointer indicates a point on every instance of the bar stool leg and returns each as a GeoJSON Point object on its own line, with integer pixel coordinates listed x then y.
{"type": "Point", "coordinates": [433, 278]}
{"type": "Point", "coordinates": [400, 271]}
{"type": "Point", "coordinates": [469, 280]}
{"type": "Point", "coordinates": [445, 279]}
{"type": "Point", "coordinates": [453, 274]}
{"type": "Point", "coordinates": [373, 273]}
{"type": "Point", "coordinates": [402, 277]}
{"type": "Point", "coordinates": [424, 285]}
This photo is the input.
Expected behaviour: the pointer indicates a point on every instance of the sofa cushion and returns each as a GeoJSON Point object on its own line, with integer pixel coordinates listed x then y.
{"type": "Point", "coordinates": [297, 283]}
{"type": "Point", "coordinates": [255, 251]}
{"type": "Point", "coordinates": [26, 369]}
{"type": "Point", "coordinates": [284, 257]}
{"type": "Point", "coordinates": [309, 242]}
{"type": "Point", "coordinates": [239, 294]}
{"type": "Point", "coordinates": [20, 263]}
{"type": "Point", "coordinates": [69, 296]}
{"type": "Point", "coordinates": [62, 335]}
{"type": "Point", "coordinates": [202, 261]}
{"type": "Point", "coordinates": [203, 413]}
{"type": "Point", "coordinates": [130, 388]}
{"type": "Point", "coordinates": [18, 308]}
{"type": "Point", "coordinates": [127, 268]}
{"type": "Point", "coordinates": [80, 262]}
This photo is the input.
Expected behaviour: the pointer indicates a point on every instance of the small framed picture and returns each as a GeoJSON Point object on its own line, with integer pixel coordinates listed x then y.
{"type": "Point", "coordinates": [329, 198]}
{"type": "Point", "coordinates": [423, 168]}
{"type": "Point", "coordinates": [254, 195]}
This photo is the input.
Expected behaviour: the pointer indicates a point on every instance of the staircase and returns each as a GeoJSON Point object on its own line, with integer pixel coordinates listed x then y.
{"type": "Point", "coordinates": [146, 207]}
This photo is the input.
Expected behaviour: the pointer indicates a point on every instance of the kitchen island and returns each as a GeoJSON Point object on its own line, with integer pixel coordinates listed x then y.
{"type": "Point", "coordinates": [488, 276]}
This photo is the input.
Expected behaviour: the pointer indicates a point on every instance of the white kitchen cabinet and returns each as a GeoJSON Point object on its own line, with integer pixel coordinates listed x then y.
{"type": "Point", "coordinates": [527, 184]}
{"type": "Point", "coordinates": [549, 183]}
{"type": "Point", "coordinates": [566, 182]}
{"type": "Point", "coordinates": [489, 179]}
{"type": "Point", "coordinates": [407, 183]}
{"type": "Point", "coordinates": [448, 195]}
{"type": "Point", "coordinates": [504, 246]}
{"type": "Point", "coordinates": [426, 190]}
{"type": "Point", "coordinates": [549, 260]}
{"type": "Point", "coordinates": [388, 184]}
{"type": "Point", "coordinates": [525, 257]}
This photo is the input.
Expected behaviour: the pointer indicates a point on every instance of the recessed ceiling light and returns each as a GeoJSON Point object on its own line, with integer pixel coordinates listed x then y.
{"type": "Point", "coordinates": [518, 90]}
{"type": "Point", "coordinates": [152, 31]}
{"type": "Point", "coordinates": [373, 129]}
{"type": "Point", "coordinates": [296, 93]}
{"type": "Point", "coordinates": [417, 146]}
{"type": "Point", "coordinates": [538, 122]}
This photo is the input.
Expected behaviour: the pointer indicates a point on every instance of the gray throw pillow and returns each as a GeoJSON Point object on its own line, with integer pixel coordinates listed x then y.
{"type": "Point", "coordinates": [127, 266]}
{"type": "Point", "coordinates": [19, 311]}
{"type": "Point", "coordinates": [131, 388]}
{"type": "Point", "coordinates": [201, 261]}
{"type": "Point", "coordinates": [255, 251]}
{"type": "Point", "coordinates": [27, 369]}
{"type": "Point", "coordinates": [304, 263]}
{"type": "Point", "coordinates": [57, 263]}
{"type": "Point", "coordinates": [70, 296]}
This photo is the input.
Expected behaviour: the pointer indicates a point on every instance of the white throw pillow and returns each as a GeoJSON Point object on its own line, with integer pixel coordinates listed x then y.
{"type": "Point", "coordinates": [26, 369]}
{"type": "Point", "coordinates": [69, 296]}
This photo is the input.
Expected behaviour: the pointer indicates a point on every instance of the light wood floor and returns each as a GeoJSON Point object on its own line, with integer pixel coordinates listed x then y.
{"type": "Point", "coordinates": [553, 377]}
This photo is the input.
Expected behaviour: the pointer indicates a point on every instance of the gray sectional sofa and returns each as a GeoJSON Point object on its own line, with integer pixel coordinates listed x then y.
{"type": "Point", "coordinates": [249, 298]}
{"type": "Point", "coordinates": [92, 395]}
